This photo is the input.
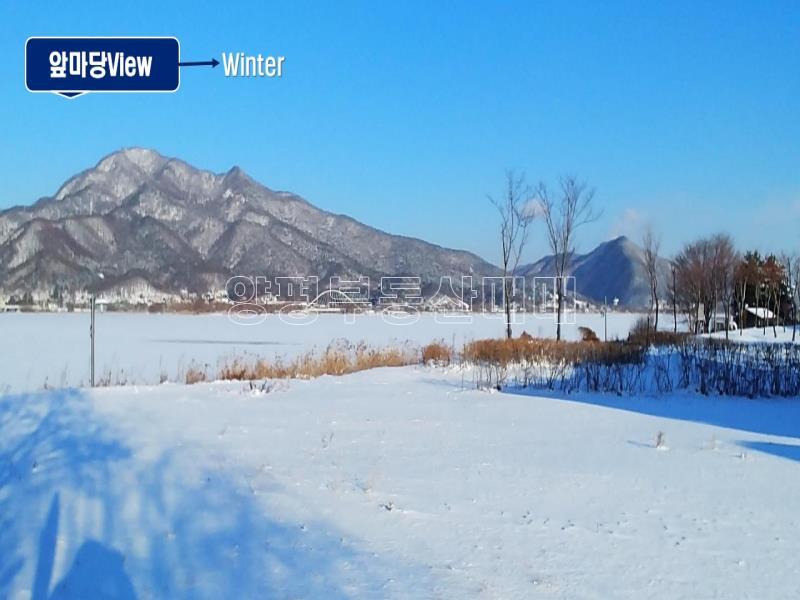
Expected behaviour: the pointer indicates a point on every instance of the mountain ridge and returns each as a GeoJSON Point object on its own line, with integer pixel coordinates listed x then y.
{"type": "Point", "coordinates": [137, 214]}
{"type": "Point", "coordinates": [136, 201]}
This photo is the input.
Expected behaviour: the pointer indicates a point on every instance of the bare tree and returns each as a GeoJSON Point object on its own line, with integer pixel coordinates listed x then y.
{"type": "Point", "coordinates": [747, 276]}
{"type": "Point", "coordinates": [562, 218]}
{"type": "Point", "coordinates": [774, 279]}
{"type": "Point", "coordinates": [792, 266]}
{"type": "Point", "coordinates": [673, 285]}
{"type": "Point", "coordinates": [692, 285]}
{"type": "Point", "coordinates": [651, 244]}
{"type": "Point", "coordinates": [725, 260]}
{"type": "Point", "coordinates": [515, 219]}
{"type": "Point", "coordinates": [789, 283]}
{"type": "Point", "coordinates": [706, 272]}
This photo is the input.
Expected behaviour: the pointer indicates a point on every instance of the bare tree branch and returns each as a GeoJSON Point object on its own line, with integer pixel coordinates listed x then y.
{"type": "Point", "coordinates": [651, 245]}
{"type": "Point", "coordinates": [562, 219]}
{"type": "Point", "coordinates": [515, 219]}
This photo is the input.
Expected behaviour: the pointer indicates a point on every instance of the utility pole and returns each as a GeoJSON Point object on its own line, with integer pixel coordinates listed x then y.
{"type": "Point", "coordinates": [93, 304]}
{"type": "Point", "coordinates": [91, 335]}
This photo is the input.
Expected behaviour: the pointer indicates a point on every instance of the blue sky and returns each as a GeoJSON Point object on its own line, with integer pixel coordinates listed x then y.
{"type": "Point", "coordinates": [405, 115]}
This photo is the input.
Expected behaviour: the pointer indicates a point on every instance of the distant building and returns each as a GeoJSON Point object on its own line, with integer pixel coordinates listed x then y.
{"type": "Point", "coordinates": [444, 303]}
{"type": "Point", "coordinates": [720, 323]}
{"type": "Point", "coordinates": [136, 290]}
{"type": "Point", "coordinates": [757, 316]}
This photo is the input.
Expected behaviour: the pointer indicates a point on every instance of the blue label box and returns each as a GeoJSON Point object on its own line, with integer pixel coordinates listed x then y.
{"type": "Point", "coordinates": [71, 66]}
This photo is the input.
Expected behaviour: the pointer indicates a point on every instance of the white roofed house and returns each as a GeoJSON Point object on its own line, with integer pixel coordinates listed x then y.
{"type": "Point", "coordinates": [757, 316]}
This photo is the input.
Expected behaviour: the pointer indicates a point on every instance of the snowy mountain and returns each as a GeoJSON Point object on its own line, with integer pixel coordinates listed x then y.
{"type": "Point", "coordinates": [612, 270]}
{"type": "Point", "coordinates": [143, 219]}
{"type": "Point", "coordinates": [140, 215]}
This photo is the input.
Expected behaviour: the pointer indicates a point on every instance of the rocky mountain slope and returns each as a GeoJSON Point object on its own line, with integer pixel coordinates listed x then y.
{"type": "Point", "coordinates": [612, 270]}
{"type": "Point", "coordinates": [138, 214]}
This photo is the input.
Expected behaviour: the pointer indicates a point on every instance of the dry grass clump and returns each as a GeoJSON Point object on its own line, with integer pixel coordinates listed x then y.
{"type": "Point", "coordinates": [339, 358]}
{"type": "Point", "coordinates": [109, 378]}
{"type": "Point", "coordinates": [641, 328]}
{"type": "Point", "coordinates": [588, 334]}
{"type": "Point", "coordinates": [497, 351]}
{"type": "Point", "coordinates": [522, 350]}
{"type": "Point", "coordinates": [495, 358]}
{"type": "Point", "coordinates": [238, 369]}
{"type": "Point", "coordinates": [195, 374]}
{"type": "Point", "coordinates": [544, 361]}
{"type": "Point", "coordinates": [642, 333]}
{"type": "Point", "coordinates": [437, 353]}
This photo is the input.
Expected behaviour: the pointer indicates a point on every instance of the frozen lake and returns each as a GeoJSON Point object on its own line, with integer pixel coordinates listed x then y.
{"type": "Point", "coordinates": [52, 349]}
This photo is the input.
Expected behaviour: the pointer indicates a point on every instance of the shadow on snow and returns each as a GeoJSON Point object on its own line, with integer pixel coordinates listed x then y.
{"type": "Point", "coordinates": [79, 518]}
{"type": "Point", "coordinates": [790, 451]}
{"type": "Point", "coordinates": [780, 416]}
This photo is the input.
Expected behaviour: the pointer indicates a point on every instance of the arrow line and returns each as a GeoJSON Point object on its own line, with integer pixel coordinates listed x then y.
{"type": "Point", "coordinates": [200, 63]}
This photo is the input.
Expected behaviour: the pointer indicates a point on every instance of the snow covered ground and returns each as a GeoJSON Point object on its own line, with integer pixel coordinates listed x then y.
{"type": "Point", "coordinates": [396, 483]}
{"type": "Point", "coordinates": [53, 349]}
{"type": "Point", "coordinates": [781, 335]}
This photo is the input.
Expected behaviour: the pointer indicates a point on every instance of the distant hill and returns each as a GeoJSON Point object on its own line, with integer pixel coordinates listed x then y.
{"type": "Point", "coordinates": [140, 216]}
{"type": "Point", "coordinates": [614, 269]}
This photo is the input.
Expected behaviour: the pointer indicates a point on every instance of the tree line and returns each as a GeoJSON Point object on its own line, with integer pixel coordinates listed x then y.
{"type": "Point", "coordinates": [708, 279]}
{"type": "Point", "coordinates": [710, 276]}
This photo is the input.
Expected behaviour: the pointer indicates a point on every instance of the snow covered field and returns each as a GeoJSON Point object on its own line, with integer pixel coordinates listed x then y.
{"type": "Point", "coordinates": [389, 483]}
{"type": "Point", "coordinates": [396, 483]}
{"type": "Point", "coordinates": [781, 335]}
{"type": "Point", "coordinates": [53, 349]}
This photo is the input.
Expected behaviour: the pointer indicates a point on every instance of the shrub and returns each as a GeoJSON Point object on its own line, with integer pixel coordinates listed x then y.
{"type": "Point", "coordinates": [710, 366]}
{"type": "Point", "coordinates": [668, 338]}
{"type": "Point", "coordinates": [588, 334]}
{"type": "Point", "coordinates": [437, 353]}
{"type": "Point", "coordinates": [539, 358]}
{"type": "Point", "coordinates": [195, 374]}
{"type": "Point", "coordinates": [595, 365]}
{"type": "Point", "coordinates": [642, 333]}
{"type": "Point", "coordinates": [640, 330]}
